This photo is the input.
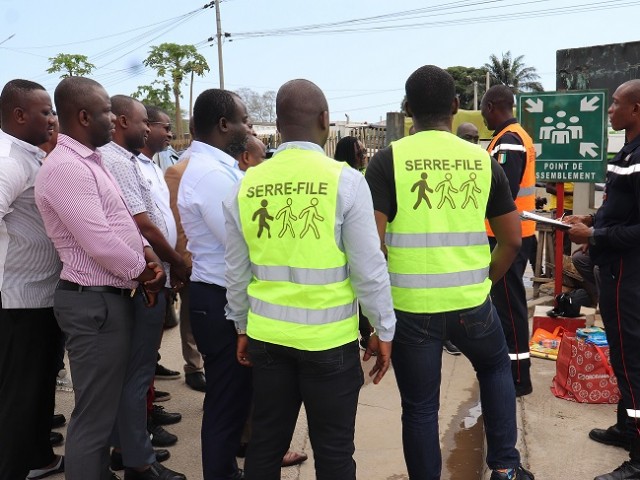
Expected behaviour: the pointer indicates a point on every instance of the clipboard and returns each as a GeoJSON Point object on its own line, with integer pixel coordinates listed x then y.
{"type": "Point", "coordinates": [547, 221]}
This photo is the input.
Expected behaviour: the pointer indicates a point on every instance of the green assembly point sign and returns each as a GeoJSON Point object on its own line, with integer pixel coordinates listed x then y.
{"type": "Point", "coordinates": [569, 131]}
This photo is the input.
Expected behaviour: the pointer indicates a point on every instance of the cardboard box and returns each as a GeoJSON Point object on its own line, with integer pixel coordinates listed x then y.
{"type": "Point", "coordinates": [544, 321]}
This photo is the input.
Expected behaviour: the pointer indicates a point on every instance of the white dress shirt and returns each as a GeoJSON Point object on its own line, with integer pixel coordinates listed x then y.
{"type": "Point", "coordinates": [160, 194]}
{"type": "Point", "coordinates": [207, 181]}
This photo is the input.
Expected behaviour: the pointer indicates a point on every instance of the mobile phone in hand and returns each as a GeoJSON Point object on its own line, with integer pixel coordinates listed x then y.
{"type": "Point", "coordinates": [145, 297]}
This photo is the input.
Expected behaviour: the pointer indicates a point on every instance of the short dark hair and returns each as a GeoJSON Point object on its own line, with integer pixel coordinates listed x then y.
{"type": "Point", "coordinates": [72, 95]}
{"type": "Point", "coordinates": [122, 104]}
{"type": "Point", "coordinates": [210, 106]}
{"type": "Point", "coordinates": [500, 96]}
{"type": "Point", "coordinates": [153, 113]}
{"type": "Point", "coordinates": [346, 151]}
{"type": "Point", "coordinates": [430, 93]}
{"type": "Point", "coordinates": [12, 94]}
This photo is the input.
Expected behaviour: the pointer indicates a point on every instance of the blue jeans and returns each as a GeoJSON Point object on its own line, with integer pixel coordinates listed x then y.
{"type": "Point", "coordinates": [417, 361]}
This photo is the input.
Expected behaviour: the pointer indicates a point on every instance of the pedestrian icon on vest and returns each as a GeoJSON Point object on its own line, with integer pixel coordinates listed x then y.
{"type": "Point", "coordinates": [423, 188]}
{"type": "Point", "coordinates": [263, 215]}
{"type": "Point", "coordinates": [469, 188]}
{"type": "Point", "coordinates": [447, 188]}
{"type": "Point", "coordinates": [311, 214]}
{"type": "Point", "coordinates": [287, 215]}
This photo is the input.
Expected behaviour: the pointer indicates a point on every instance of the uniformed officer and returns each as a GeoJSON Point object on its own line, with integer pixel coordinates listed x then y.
{"type": "Point", "coordinates": [301, 247]}
{"type": "Point", "coordinates": [613, 236]}
{"type": "Point", "coordinates": [513, 148]}
{"type": "Point", "coordinates": [432, 192]}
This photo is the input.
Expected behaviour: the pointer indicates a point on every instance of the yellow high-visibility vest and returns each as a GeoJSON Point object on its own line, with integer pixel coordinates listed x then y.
{"type": "Point", "coordinates": [300, 294]}
{"type": "Point", "coordinates": [437, 245]}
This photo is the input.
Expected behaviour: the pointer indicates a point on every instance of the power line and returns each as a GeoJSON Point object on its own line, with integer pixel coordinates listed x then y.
{"type": "Point", "coordinates": [362, 25]}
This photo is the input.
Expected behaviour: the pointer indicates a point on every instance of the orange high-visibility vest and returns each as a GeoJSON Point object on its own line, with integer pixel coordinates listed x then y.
{"type": "Point", "coordinates": [526, 199]}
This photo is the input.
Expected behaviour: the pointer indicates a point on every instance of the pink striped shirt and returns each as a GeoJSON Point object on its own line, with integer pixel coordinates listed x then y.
{"type": "Point", "coordinates": [86, 218]}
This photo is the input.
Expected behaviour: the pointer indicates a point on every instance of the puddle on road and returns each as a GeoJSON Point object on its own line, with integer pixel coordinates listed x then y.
{"type": "Point", "coordinates": [462, 450]}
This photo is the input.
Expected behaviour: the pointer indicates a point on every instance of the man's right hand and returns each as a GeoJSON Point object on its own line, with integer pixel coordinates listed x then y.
{"type": "Point", "coordinates": [383, 357]}
{"type": "Point", "coordinates": [575, 219]}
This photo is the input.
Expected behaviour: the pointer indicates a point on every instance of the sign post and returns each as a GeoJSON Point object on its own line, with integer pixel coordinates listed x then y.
{"type": "Point", "coordinates": [569, 132]}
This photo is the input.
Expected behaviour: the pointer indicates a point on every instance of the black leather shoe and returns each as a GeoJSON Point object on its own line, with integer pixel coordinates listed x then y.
{"type": "Point", "coordinates": [613, 436]}
{"type": "Point", "coordinates": [160, 417]}
{"type": "Point", "coordinates": [58, 420]}
{"type": "Point", "coordinates": [159, 436]}
{"type": "Point", "coordinates": [196, 381]}
{"type": "Point", "coordinates": [626, 471]}
{"type": "Point", "coordinates": [164, 373]}
{"type": "Point", "coordinates": [154, 472]}
{"type": "Point", "coordinates": [116, 458]}
{"type": "Point", "coordinates": [55, 438]}
{"type": "Point", "coordinates": [160, 396]}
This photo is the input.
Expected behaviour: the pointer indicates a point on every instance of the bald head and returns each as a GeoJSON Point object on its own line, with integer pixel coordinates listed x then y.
{"type": "Point", "coordinates": [302, 112]}
{"type": "Point", "coordinates": [468, 131]}
{"type": "Point", "coordinates": [631, 90]}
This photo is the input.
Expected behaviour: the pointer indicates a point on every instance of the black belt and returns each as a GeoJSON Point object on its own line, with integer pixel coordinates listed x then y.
{"type": "Point", "coordinates": [74, 287]}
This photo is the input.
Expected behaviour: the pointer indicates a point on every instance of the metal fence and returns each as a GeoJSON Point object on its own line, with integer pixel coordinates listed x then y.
{"type": "Point", "coordinates": [373, 139]}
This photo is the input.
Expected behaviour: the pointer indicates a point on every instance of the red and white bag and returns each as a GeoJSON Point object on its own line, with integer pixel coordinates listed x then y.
{"type": "Point", "coordinates": [584, 373]}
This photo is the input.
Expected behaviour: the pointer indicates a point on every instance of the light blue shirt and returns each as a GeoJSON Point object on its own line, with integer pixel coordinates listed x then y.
{"type": "Point", "coordinates": [355, 233]}
{"type": "Point", "coordinates": [207, 181]}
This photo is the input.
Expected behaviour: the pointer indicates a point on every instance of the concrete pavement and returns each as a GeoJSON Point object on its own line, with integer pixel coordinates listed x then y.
{"type": "Point", "coordinates": [552, 433]}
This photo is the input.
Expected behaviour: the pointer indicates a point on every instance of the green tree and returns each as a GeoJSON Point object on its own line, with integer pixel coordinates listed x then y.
{"type": "Point", "coordinates": [261, 107]}
{"type": "Point", "coordinates": [175, 62]}
{"type": "Point", "coordinates": [158, 94]}
{"type": "Point", "coordinates": [71, 65]}
{"type": "Point", "coordinates": [464, 78]}
{"type": "Point", "coordinates": [513, 73]}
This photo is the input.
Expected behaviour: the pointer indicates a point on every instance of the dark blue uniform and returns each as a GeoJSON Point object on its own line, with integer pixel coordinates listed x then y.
{"type": "Point", "coordinates": [615, 248]}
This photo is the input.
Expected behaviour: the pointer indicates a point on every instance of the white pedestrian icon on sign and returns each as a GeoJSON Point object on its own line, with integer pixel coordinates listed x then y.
{"type": "Point", "coordinates": [558, 131]}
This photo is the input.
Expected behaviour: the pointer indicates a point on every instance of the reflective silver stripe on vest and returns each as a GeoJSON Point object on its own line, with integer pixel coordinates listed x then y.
{"type": "Point", "coordinates": [302, 276]}
{"type": "Point", "coordinates": [303, 316]}
{"type": "Point", "coordinates": [633, 413]}
{"type": "Point", "coordinates": [624, 170]}
{"type": "Point", "coordinates": [425, 240]}
{"type": "Point", "coordinates": [439, 280]}
{"type": "Point", "coordinates": [525, 192]}
{"type": "Point", "coordinates": [508, 146]}
{"type": "Point", "coordinates": [519, 356]}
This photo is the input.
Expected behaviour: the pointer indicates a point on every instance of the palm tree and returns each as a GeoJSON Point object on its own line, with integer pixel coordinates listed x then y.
{"type": "Point", "coordinates": [513, 73]}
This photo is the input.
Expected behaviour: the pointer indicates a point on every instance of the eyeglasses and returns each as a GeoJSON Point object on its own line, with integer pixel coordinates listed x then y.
{"type": "Point", "coordinates": [362, 153]}
{"type": "Point", "coordinates": [166, 126]}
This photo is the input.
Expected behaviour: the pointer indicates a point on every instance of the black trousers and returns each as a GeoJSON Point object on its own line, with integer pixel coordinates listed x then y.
{"type": "Point", "coordinates": [328, 382]}
{"type": "Point", "coordinates": [510, 299]}
{"type": "Point", "coordinates": [29, 339]}
{"type": "Point", "coordinates": [228, 395]}
{"type": "Point", "coordinates": [619, 300]}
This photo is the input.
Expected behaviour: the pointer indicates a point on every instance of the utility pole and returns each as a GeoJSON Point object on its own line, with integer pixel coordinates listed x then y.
{"type": "Point", "coordinates": [219, 37]}
{"type": "Point", "coordinates": [475, 95]}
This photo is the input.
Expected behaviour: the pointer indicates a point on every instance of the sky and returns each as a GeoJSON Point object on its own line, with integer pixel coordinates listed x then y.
{"type": "Point", "coordinates": [360, 58]}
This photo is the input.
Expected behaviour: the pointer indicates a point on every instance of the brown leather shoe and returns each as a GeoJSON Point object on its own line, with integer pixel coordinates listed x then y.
{"type": "Point", "coordinates": [293, 458]}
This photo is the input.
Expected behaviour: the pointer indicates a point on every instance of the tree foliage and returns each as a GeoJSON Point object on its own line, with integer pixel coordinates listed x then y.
{"type": "Point", "coordinates": [464, 78]}
{"type": "Point", "coordinates": [158, 94]}
{"type": "Point", "coordinates": [71, 65]}
{"type": "Point", "coordinates": [261, 107]}
{"type": "Point", "coordinates": [173, 62]}
{"type": "Point", "coordinates": [513, 73]}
